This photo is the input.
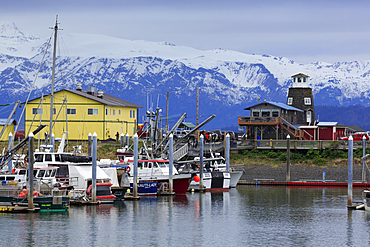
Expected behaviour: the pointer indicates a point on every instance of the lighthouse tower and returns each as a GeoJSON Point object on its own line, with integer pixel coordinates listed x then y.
{"type": "Point", "coordinates": [300, 96]}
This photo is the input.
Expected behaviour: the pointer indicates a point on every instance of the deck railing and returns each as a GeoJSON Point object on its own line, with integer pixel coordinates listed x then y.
{"type": "Point", "coordinates": [296, 144]}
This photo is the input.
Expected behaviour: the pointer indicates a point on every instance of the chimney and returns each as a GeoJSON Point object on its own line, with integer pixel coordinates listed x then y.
{"type": "Point", "coordinates": [79, 86]}
{"type": "Point", "coordinates": [100, 94]}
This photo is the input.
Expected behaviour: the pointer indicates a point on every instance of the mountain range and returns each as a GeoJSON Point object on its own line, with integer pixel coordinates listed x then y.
{"type": "Point", "coordinates": [142, 72]}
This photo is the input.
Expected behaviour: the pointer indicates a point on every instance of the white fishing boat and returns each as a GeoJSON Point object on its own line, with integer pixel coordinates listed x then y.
{"type": "Point", "coordinates": [366, 198]}
{"type": "Point", "coordinates": [157, 170]}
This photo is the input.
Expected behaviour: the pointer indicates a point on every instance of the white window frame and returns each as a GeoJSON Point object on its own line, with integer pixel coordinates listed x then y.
{"type": "Point", "coordinates": [37, 111]}
{"type": "Point", "coordinates": [255, 111]}
{"type": "Point", "coordinates": [92, 111]}
{"type": "Point", "coordinates": [71, 111]}
{"type": "Point", "coordinates": [275, 111]}
{"type": "Point", "coordinates": [114, 111]}
{"type": "Point", "coordinates": [290, 101]}
{"type": "Point", "coordinates": [307, 101]}
{"type": "Point", "coordinates": [265, 111]}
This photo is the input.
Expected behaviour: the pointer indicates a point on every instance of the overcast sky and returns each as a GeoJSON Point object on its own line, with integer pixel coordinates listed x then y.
{"type": "Point", "coordinates": [304, 31]}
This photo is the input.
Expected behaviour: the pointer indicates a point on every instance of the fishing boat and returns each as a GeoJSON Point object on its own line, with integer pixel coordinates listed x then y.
{"type": "Point", "coordinates": [151, 171]}
{"type": "Point", "coordinates": [215, 175]}
{"type": "Point", "coordinates": [366, 198]}
{"type": "Point", "coordinates": [46, 195]}
{"type": "Point", "coordinates": [212, 181]}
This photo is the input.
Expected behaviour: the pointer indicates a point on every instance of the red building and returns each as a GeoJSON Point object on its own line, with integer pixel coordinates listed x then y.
{"type": "Point", "coordinates": [327, 131]}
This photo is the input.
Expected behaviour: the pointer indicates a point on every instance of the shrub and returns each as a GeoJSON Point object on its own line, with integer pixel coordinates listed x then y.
{"type": "Point", "coordinates": [244, 152]}
{"type": "Point", "coordinates": [312, 154]}
{"type": "Point", "coordinates": [272, 155]}
{"type": "Point", "coordinates": [296, 156]}
{"type": "Point", "coordinates": [319, 161]}
{"type": "Point", "coordinates": [252, 155]}
{"type": "Point", "coordinates": [283, 157]}
{"type": "Point", "coordinates": [255, 151]}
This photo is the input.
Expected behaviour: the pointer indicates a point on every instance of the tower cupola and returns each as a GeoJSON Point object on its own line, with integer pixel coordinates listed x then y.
{"type": "Point", "coordinates": [300, 80]}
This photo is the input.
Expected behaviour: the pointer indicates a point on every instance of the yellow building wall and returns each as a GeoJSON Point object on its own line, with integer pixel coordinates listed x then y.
{"type": "Point", "coordinates": [105, 124]}
{"type": "Point", "coordinates": [8, 129]}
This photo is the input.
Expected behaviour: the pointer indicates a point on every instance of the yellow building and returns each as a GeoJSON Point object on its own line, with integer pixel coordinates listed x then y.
{"type": "Point", "coordinates": [82, 112]}
{"type": "Point", "coordinates": [8, 129]}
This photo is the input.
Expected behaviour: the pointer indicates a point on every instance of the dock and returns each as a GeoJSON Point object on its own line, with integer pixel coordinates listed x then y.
{"type": "Point", "coordinates": [17, 209]}
{"type": "Point", "coordinates": [312, 183]}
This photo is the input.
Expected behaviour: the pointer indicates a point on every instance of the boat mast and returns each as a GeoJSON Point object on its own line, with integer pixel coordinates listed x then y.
{"type": "Point", "coordinates": [52, 80]}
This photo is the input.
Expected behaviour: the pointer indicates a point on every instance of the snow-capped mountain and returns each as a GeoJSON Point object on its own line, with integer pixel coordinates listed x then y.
{"type": "Point", "coordinates": [143, 71]}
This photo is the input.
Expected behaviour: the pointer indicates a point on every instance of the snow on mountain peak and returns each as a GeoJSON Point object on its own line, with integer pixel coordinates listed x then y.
{"type": "Point", "coordinates": [12, 37]}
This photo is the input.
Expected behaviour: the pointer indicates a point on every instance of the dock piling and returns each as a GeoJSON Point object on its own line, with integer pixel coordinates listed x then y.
{"type": "Point", "coordinates": [363, 160]}
{"type": "Point", "coordinates": [201, 140]}
{"type": "Point", "coordinates": [10, 163]}
{"type": "Point", "coordinates": [30, 170]}
{"type": "Point", "coordinates": [136, 144]}
{"type": "Point", "coordinates": [94, 158]}
{"type": "Point", "coordinates": [288, 158]}
{"type": "Point", "coordinates": [170, 179]}
{"type": "Point", "coordinates": [350, 170]}
{"type": "Point", "coordinates": [227, 152]}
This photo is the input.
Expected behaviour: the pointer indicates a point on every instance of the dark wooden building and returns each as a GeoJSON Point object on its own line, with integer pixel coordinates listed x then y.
{"type": "Point", "coordinates": [271, 120]}
{"type": "Point", "coordinates": [300, 96]}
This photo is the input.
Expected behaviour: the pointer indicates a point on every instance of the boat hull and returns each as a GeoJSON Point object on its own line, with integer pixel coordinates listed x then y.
{"type": "Point", "coordinates": [213, 181]}
{"type": "Point", "coordinates": [234, 178]}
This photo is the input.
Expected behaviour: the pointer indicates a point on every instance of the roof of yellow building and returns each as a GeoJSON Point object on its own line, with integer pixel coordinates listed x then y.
{"type": "Point", "coordinates": [106, 99]}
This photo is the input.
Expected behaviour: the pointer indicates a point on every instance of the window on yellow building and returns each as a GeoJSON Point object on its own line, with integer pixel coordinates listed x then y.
{"type": "Point", "coordinates": [36, 111]}
{"type": "Point", "coordinates": [119, 112]}
{"type": "Point", "coordinates": [71, 111]}
{"type": "Point", "coordinates": [106, 111]}
{"type": "Point", "coordinates": [114, 111]}
{"type": "Point", "coordinates": [92, 111]}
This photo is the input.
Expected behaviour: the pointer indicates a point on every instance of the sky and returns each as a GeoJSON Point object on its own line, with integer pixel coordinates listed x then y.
{"type": "Point", "coordinates": [304, 31]}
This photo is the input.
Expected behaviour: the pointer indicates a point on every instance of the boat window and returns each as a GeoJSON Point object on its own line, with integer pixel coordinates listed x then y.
{"type": "Point", "coordinates": [163, 165]}
{"type": "Point", "coordinates": [2, 178]}
{"type": "Point", "coordinates": [9, 178]}
{"type": "Point", "coordinates": [103, 190]}
{"type": "Point", "coordinates": [53, 173]}
{"type": "Point", "coordinates": [155, 165]}
{"type": "Point", "coordinates": [140, 164]}
{"type": "Point", "coordinates": [48, 157]}
{"type": "Point", "coordinates": [62, 171]}
{"type": "Point", "coordinates": [145, 164]}
{"type": "Point", "coordinates": [150, 165]}
{"type": "Point", "coordinates": [35, 173]}
{"type": "Point", "coordinates": [22, 172]}
{"type": "Point", "coordinates": [39, 157]}
{"type": "Point", "coordinates": [47, 173]}
{"type": "Point", "coordinates": [57, 157]}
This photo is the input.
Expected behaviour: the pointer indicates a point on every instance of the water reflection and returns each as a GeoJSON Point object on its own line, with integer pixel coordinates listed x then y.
{"type": "Point", "coordinates": [248, 215]}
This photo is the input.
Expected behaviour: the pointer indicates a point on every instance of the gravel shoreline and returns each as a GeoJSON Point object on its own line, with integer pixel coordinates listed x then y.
{"type": "Point", "coordinates": [299, 172]}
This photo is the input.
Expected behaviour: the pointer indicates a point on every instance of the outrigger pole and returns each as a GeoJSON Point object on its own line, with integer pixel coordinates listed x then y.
{"type": "Point", "coordinates": [5, 158]}
{"type": "Point", "coordinates": [53, 79]}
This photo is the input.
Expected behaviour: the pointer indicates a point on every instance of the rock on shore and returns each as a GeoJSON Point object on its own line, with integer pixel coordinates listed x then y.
{"type": "Point", "coordinates": [299, 172]}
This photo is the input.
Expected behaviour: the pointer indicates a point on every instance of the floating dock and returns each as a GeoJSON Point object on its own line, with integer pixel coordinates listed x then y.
{"type": "Point", "coordinates": [17, 209]}
{"type": "Point", "coordinates": [311, 183]}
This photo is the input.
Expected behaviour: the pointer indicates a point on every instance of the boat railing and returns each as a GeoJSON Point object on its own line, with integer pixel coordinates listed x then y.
{"type": "Point", "coordinates": [181, 152]}
{"type": "Point", "coordinates": [68, 181]}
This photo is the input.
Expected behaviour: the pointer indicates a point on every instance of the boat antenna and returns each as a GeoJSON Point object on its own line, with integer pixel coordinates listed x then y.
{"type": "Point", "coordinates": [53, 79]}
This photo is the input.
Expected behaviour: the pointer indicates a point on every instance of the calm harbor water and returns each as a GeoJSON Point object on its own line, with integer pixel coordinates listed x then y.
{"type": "Point", "coordinates": [245, 216]}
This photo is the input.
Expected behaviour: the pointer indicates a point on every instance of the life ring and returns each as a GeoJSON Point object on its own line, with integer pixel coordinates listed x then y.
{"type": "Point", "coordinates": [128, 169]}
